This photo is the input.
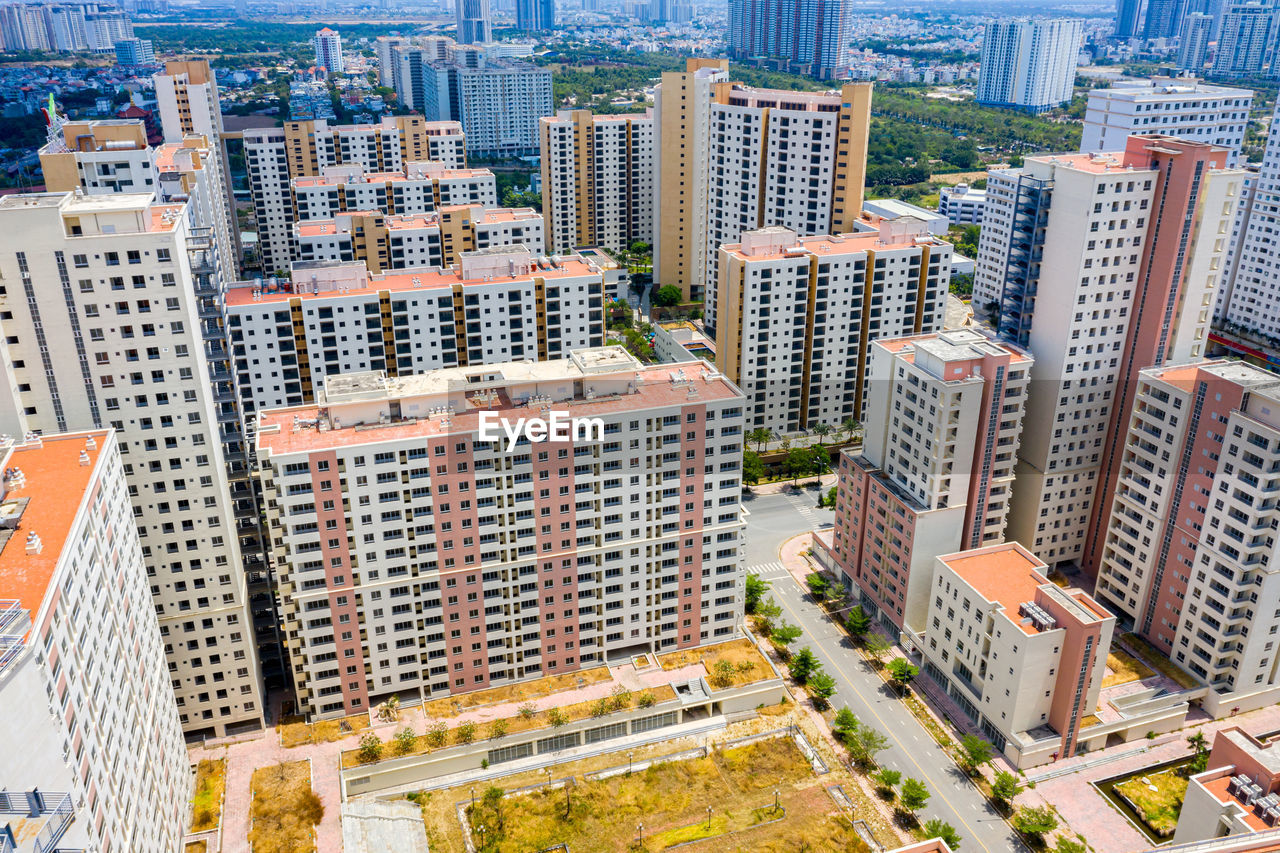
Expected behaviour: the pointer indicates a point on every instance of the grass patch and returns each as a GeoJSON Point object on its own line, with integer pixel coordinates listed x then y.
{"type": "Point", "coordinates": [425, 743]}
{"type": "Point", "coordinates": [749, 665]}
{"type": "Point", "coordinates": [1154, 659]}
{"type": "Point", "coordinates": [285, 810]}
{"type": "Point", "coordinates": [1159, 809]}
{"type": "Point", "coordinates": [671, 800]}
{"type": "Point", "coordinates": [1123, 668]}
{"type": "Point", "coordinates": [523, 691]}
{"type": "Point", "coordinates": [294, 731]}
{"type": "Point", "coordinates": [206, 802]}
{"type": "Point", "coordinates": [196, 847]}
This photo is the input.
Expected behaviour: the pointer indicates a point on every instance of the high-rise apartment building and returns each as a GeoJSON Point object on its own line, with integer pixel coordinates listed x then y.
{"type": "Point", "coordinates": [1128, 19]}
{"type": "Point", "coordinates": [1028, 65]}
{"type": "Point", "coordinates": [941, 431]}
{"type": "Point", "coordinates": [496, 305]}
{"type": "Point", "coordinates": [1187, 538]}
{"type": "Point", "coordinates": [102, 156]}
{"type": "Point", "coordinates": [598, 179]}
{"type": "Point", "coordinates": [1180, 106]}
{"type": "Point", "coordinates": [1163, 18]}
{"type": "Point", "coordinates": [475, 21]}
{"type": "Point", "coordinates": [521, 557]}
{"type": "Point", "coordinates": [1246, 40]}
{"type": "Point", "coordinates": [733, 159]}
{"type": "Point", "coordinates": [392, 242]}
{"type": "Point", "coordinates": [1101, 265]}
{"type": "Point", "coordinates": [798, 315]}
{"type": "Point", "coordinates": [381, 164]}
{"type": "Point", "coordinates": [328, 49]}
{"type": "Point", "coordinates": [383, 47]}
{"type": "Point", "coordinates": [89, 732]}
{"type": "Point", "coordinates": [1193, 42]}
{"type": "Point", "coordinates": [113, 337]}
{"type": "Point", "coordinates": [134, 52]}
{"type": "Point", "coordinates": [535, 15]}
{"type": "Point", "coordinates": [497, 100]}
{"type": "Point", "coordinates": [810, 36]}
{"type": "Point", "coordinates": [1251, 287]}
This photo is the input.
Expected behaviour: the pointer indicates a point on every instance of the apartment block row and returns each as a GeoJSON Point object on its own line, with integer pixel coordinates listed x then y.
{"type": "Point", "coordinates": [428, 542]}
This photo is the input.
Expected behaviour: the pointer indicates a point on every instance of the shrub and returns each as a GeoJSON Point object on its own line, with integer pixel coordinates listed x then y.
{"type": "Point", "coordinates": [436, 734]}
{"type": "Point", "coordinates": [527, 711]}
{"type": "Point", "coordinates": [557, 717]}
{"type": "Point", "coordinates": [722, 674]}
{"type": "Point", "coordinates": [405, 739]}
{"type": "Point", "coordinates": [370, 748]}
{"type": "Point", "coordinates": [600, 707]}
{"type": "Point", "coordinates": [465, 733]}
{"type": "Point", "coordinates": [620, 698]}
{"type": "Point", "coordinates": [497, 729]}
{"type": "Point", "coordinates": [646, 700]}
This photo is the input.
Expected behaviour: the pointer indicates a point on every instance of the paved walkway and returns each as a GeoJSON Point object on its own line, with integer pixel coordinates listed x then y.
{"type": "Point", "coordinates": [263, 749]}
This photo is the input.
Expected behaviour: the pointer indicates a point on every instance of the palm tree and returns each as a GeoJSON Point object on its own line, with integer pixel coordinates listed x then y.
{"type": "Point", "coordinates": [821, 431]}
{"type": "Point", "coordinates": [849, 427]}
{"type": "Point", "coordinates": [760, 435]}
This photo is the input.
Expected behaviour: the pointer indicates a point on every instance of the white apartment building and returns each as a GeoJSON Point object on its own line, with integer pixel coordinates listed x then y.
{"type": "Point", "coordinates": [733, 159]}
{"type": "Point", "coordinates": [798, 315]}
{"type": "Point", "coordinates": [383, 48]}
{"type": "Point", "coordinates": [89, 733]}
{"type": "Point", "coordinates": [1246, 39]}
{"type": "Point", "coordinates": [1253, 302]}
{"type": "Point", "coordinates": [496, 305]}
{"type": "Point", "coordinates": [1023, 658]}
{"type": "Point", "coordinates": [1028, 65]}
{"type": "Point", "coordinates": [451, 558]}
{"type": "Point", "coordinates": [187, 98]}
{"type": "Point", "coordinates": [497, 100]}
{"type": "Point", "coordinates": [101, 156]}
{"type": "Point", "coordinates": [940, 438]}
{"type": "Point", "coordinates": [598, 179]}
{"type": "Point", "coordinates": [962, 204]}
{"type": "Point", "coordinates": [1069, 252]}
{"type": "Point", "coordinates": [404, 146]}
{"type": "Point", "coordinates": [420, 240]}
{"type": "Point", "coordinates": [1177, 106]}
{"type": "Point", "coordinates": [328, 50]}
{"type": "Point", "coordinates": [113, 337]}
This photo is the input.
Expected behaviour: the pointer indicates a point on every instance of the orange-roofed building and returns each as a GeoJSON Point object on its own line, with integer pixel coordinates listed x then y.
{"type": "Point", "coordinates": [1238, 793]}
{"type": "Point", "coordinates": [91, 748]}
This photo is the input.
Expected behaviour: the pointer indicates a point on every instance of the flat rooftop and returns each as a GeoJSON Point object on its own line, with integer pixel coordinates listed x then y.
{"type": "Point", "coordinates": [1005, 574]}
{"type": "Point", "coordinates": [953, 345]}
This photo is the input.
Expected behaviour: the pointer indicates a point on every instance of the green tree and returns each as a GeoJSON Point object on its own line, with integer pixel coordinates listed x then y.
{"type": "Point", "coordinates": [1068, 845]}
{"type": "Point", "coordinates": [849, 426]}
{"type": "Point", "coordinates": [436, 734]}
{"type": "Point", "coordinates": [370, 748]}
{"type": "Point", "coordinates": [821, 431]}
{"type": "Point", "coordinates": [784, 633]}
{"type": "Point", "coordinates": [845, 723]}
{"type": "Point", "coordinates": [818, 585]}
{"type": "Point", "coordinates": [1200, 760]}
{"type": "Point", "coordinates": [405, 739]}
{"type": "Point", "coordinates": [1035, 821]}
{"type": "Point", "coordinates": [752, 467]}
{"type": "Point", "coordinates": [858, 623]}
{"type": "Point", "coordinates": [667, 296]}
{"type": "Point", "coordinates": [797, 463]}
{"type": "Point", "coordinates": [756, 587]}
{"type": "Point", "coordinates": [888, 780]}
{"type": "Point", "coordinates": [465, 733]}
{"type": "Point", "coordinates": [722, 673]}
{"type": "Point", "coordinates": [556, 717]}
{"type": "Point", "coordinates": [822, 686]}
{"type": "Point", "coordinates": [914, 795]}
{"type": "Point", "coordinates": [901, 671]}
{"type": "Point", "coordinates": [1005, 787]}
{"type": "Point", "coordinates": [497, 729]}
{"type": "Point", "coordinates": [768, 611]}
{"type": "Point", "coordinates": [803, 664]}
{"type": "Point", "coordinates": [876, 646]}
{"type": "Point", "coordinates": [974, 752]}
{"type": "Point", "coordinates": [760, 436]}
{"type": "Point", "coordinates": [865, 743]}
{"type": "Point", "coordinates": [936, 828]}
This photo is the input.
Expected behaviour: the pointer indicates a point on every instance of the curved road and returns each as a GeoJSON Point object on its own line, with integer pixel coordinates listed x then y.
{"type": "Point", "coordinates": [912, 751]}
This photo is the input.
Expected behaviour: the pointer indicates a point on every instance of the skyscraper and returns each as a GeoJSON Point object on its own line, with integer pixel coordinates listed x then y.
{"type": "Point", "coordinates": [475, 21]}
{"type": "Point", "coordinates": [1028, 65]}
{"type": "Point", "coordinates": [328, 46]}
{"type": "Point", "coordinates": [1164, 18]}
{"type": "Point", "coordinates": [535, 15]}
{"type": "Point", "coordinates": [1128, 19]}
{"type": "Point", "coordinates": [1246, 43]}
{"type": "Point", "coordinates": [1193, 42]}
{"type": "Point", "coordinates": [812, 35]}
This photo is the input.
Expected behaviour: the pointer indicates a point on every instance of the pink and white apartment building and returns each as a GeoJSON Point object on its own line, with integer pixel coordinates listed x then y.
{"type": "Point", "coordinates": [91, 746]}
{"type": "Point", "coordinates": [436, 534]}
{"type": "Point", "coordinates": [1188, 553]}
{"type": "Point", "coordinates": [1022, 657]}
{"type": "Point", "coordinates": [943, 420]}
{"type": "Point", "coordinates": [1237, 797]}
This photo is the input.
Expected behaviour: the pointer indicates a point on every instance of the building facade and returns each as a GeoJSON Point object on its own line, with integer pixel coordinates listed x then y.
{"type": "Point", "coordinates": [497, 101]}
{"type": "Point", "coordinates": [598, 179]}
{"type": "Point", "coordinates": [1028, 65]}
{"type": "Point", "coordinates": [490, 560]}
{"type": "Point", "coordinates": [799, 315]}
{"type": "Point", "coordinates": [474, 20]}
{"type": "Point", "coordinates": [806, 36]}
{"type": "Point", "coordinates": [1182, 107]}
{"type": "Point", "coordinates": [1246, 39]}
{"type": "Point", "coordinates": [535, 15]}
{"type": "Point", "coordinates": [962, 204]}
{"type": "Point", "coordinates": [328, 49]}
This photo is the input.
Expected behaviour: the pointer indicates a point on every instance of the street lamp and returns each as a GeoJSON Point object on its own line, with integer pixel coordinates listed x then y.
{"type": "Point", "coordinates": [775, 799]}
{"type": "Point", "coordinates": [547, 770]}
{"type": "Point", "coordinates": [473, 797]}
{"type": "Point", "coordinates": [629, 754]}
{"type": "Point", "coordinates": [640, 835]}
{"type": "Point", "coordinates": [482, 835]}
{"type": "Point", "coordinates": [708, 817]}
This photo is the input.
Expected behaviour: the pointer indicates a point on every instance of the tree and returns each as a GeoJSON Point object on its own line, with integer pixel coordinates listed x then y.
{"type": "Point", "coordinates": [858, 623]}
{"type": "Point", "coordinates": [875, 646]}
{"type": "Point", "coordinates": [436, 734]}
{"type": "Point", "coordinates": [887, 780]}
{"type": "Point", "coordinates": [1200, 760]}
{"type": "Point", "coordinates": [974, 752]}
{"type": "Point", "coordinates": [370, 748]}
{"type": "Point", "coordinates": [465, 733]}
{"type": "Point", "coordinates": [756, 588]}
{"type": "Point", "coordinates": [557, 717]}
{"type": "Point", "coordinates": [1035, 821]}
{"type": "Point", "coordinates": [752, 467]}
{"type": "Point", "coordinates": [845, 723]}
{"type": "Point", "coordinates": [804, 664]}
{"type": "Point", "coordinates": [821, 431]}
{"type": "Point", "coordinates": [901, 671]}
{"type": "Point", "coordinates": [667, 296]}
{"type": "Point", "coordinates": [722, 675]}
{"type": "Point", "coordinates": [760, 436]}
{"type": "Point", "coordinates": [497, 729]}
{"type": "Point", "coordinates": [865, 743]}
{"type": "Point", "coordinates": [784, 634]}
{"type": "Point", "coordinates": [1004, 787]}
{"type": "Point", "coordinates": [849, 426]}
{"type": "Point", "coordinates": [914, 795]}
{"type": "Point", "coordinates": [768, 611]}
{"type": "Point", "coordinates": [796, 462]}
{"type": "Point", "coordinates": [405, 739]}
{"type": "Point", "coordinates": [1068, 845]}
{"type": "Point", "coordinates": [822, 686]}
{"type": "Point", "coordinates": [818, 585]}
{"type": "Point", "coordinates": [940, 829]}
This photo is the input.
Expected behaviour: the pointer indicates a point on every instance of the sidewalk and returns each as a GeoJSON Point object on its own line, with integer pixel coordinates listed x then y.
{"type": "Point", "coordinates": [783, 486]}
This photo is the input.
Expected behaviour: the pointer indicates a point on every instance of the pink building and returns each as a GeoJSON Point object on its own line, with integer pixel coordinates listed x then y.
{"type": "Point", "coordinates": [943, 418]}
{"type": "Point", "coordinates": [1239, 793]}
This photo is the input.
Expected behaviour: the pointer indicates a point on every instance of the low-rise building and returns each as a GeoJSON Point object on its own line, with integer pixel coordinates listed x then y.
{"type": "Point", "coordinates": [892, 208]}
{"type": "Point", "coordinates": [1238, 794]}
{"type": "Point", "coordinates": [479, 526]}
{"type": "Point", "coordinates": [962, 204]}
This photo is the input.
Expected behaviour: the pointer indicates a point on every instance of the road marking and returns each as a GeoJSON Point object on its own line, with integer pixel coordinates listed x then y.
{"type": "Point", "coordinates": [871, 707]}
{"type": "Point", "coordinates": [769, 570]}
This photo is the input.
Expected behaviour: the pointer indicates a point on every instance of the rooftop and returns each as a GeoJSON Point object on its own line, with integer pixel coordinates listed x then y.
{"type": "Point", "coordinates": [776, 242]}
{"type": "Point", "coordinates": [953, 345]}
{"type": "Point", "coordinates": [1006, 574]}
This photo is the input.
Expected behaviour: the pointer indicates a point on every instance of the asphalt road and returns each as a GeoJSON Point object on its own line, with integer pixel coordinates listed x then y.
{"type": "Point", "coordinates": [912, 751]}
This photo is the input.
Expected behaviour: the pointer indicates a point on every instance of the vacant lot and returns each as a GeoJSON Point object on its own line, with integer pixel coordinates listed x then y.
{"type": "Point", "coordinates": [1160, 808]}
{"type": "Point", "coordinates": [285, 810]}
